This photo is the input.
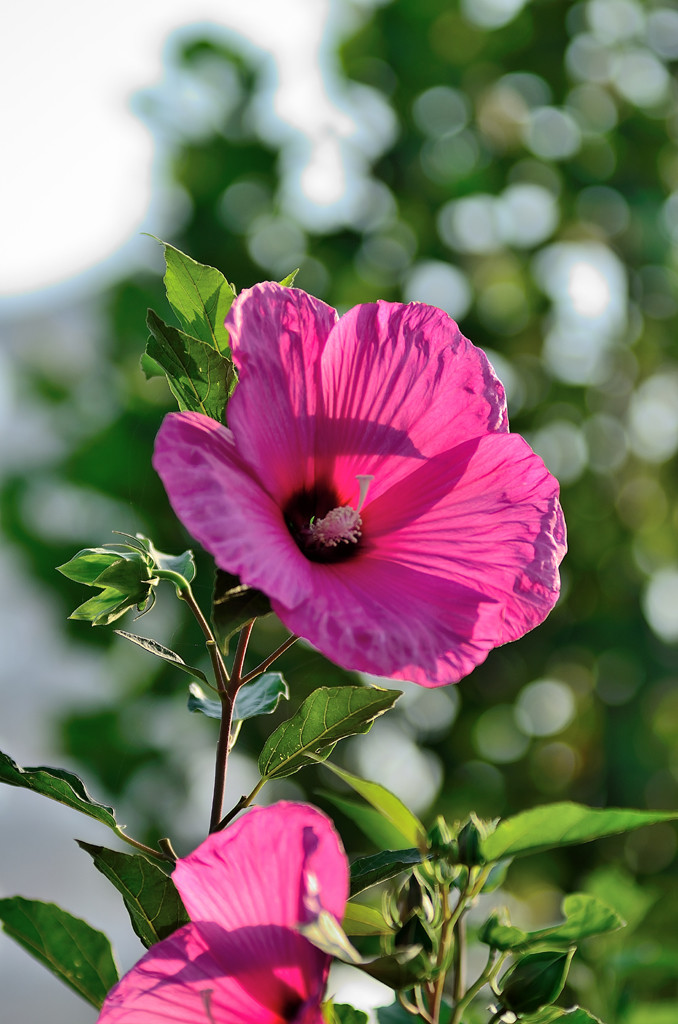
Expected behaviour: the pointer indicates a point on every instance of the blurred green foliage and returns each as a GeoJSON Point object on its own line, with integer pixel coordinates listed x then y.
{"type": "Point", "coordinates": [529, 185]}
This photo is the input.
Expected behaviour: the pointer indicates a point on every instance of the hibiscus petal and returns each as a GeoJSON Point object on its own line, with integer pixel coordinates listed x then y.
{"type": "Point", "coordinates": [204, 975]}
{"type": "Point", "coordinates": [458, 558]}
{"type": "Point", "coordinates": [376, 616]}
{"type": "Point", "coordinates": [222, 504]}
{"type": "Point", "coordinates": [264, 867]}
{"type": "Point", "coordinates": [485, 514]}
{"type": "Point", "coordinates": [277, 335]}
{"type": "Point", "coordinates": [241, 959]}
{"type": "Point", "coordinates": [401, 381]}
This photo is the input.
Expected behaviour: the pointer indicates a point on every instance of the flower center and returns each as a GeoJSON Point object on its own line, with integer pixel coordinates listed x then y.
{"type": "Point", "coordinates": [340, 526]}
{"type": "Point", "coordinates": [324, 530]}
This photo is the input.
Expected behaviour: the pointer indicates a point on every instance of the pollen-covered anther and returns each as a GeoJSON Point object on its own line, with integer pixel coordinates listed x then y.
{"type": "Point", "coordinates": [340, 526]}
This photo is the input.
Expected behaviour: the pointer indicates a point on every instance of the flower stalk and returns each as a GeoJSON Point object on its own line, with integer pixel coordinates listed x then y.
{"type": "Point", "coordinates": [227, 694]}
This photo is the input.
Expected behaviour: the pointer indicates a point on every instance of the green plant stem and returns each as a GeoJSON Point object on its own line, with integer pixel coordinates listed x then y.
{"type": "Point", "coordinates": [243, 802]}
{"type": "Point", "coordinates": [218, 667]}
{"type": "Point", "coordinates": [458, 961]}
{"type": "Point", "coordinates": [451, 932]}
{"type": "Point", "coordinates": [492, 968]}
{"type": "Point", "coordinates": [228, 695]}
{"type": "Point", "coordinates": [148, 850]}
{"type": "Point", "coordinates": [271, 658]}
{"type": "Point", "coordinates": [436, 995]}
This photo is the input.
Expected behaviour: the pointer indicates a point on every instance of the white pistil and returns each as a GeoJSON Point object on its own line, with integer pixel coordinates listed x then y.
{"type": "Point", "coordinates": [364, 480]}
{"type": "Point", "coordinates": [341, 525]}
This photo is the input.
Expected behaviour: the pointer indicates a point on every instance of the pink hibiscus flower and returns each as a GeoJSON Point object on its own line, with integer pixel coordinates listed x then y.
{"type": "Point", "coordinates": [369, 486]}
{"type": "Point", "coordinates": [241, 960]}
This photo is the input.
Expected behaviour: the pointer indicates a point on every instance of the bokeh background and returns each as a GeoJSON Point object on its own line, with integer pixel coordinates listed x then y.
{"type": "Point", "coordinates": [512, 162]}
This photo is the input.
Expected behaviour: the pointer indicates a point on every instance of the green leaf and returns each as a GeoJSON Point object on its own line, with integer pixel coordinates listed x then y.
{"type": "Point", "coordinates": [498, 933]}
{"type": "Point", "coordinates": [150, 896]}
{"type": "Point", "coordinates": [401, 970]}
{"type": "Point", "coordinates": [103, 608]}
{"type": "Point", "coordinates": [200, 297]}
{"type": "Point", "coordinates": [197, 701]}
{"type": "Point", "coordinates": [233, 606]}
{"type": "Point", "coordinates": [411, 830]}
{"type": "Point", "coordinates": [164, 653]}
{"type": "Point", "coordinates": [575, 1015]}
{"type": "Point", "coordinates": [360, 919]}
{"type": "Point", "coordinates": [342, 1013]}
{"type": "Point", "coordinates": [123, 575]}
{"type": "Point", "coordinates": [288, 281]}
{"type": "Point", "coordinates": [375, 826]}
{"type": "Point", "coordinates": [395, 1013]}
{"type": "Point", "coordinates": [57, 784]}
{"type": "Point", "coordinates": [368, 871]}
{"type": "Point", "coordinates": [497, 875]}
{"type": "Point", "coordinates": [535, 981]}
{"type": "Point", "coordinates": [129, 574]}
{"type": "Point", "coordinates": [149, 367]}
{"type": "Point", "coordinates": [168, 566]}
{"type": "Point", "coordinates": [200, 379]}
{"type": "Point", "coordinates": [87, 565]}
{"type": "Point", "coordinates": [260, 697]}
{"type": "Point", "coordinates": [328, 715]}
{"type": "Point", "coordinates": [563, 824]}
{"type": "Point", "coordinates": [585, 915]}
{"type": "Point", "coordinates": [70, 948]}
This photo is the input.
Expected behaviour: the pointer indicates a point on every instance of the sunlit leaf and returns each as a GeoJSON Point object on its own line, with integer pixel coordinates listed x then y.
{"type": "Point", "coordinates": [360, 919]}
{"type": "Point", "coordinates": [327, 715]}
{"type": "Point", "coordinates": [388, 804]}
{"type": "Point", "coordinates": [288, 281]}
{"type": "Point", "coordinates": [342, 1013]}
{"type": "Point", "coordinates": [87, 565]}
{"type": "Point", "coordinates": [562, 824]}
{"type": "Point", "coordinates": [74, 951]}
{"type": "Point", "coordinates": [375, 826]}
{"type": "Point", "coordinates": [103, 608]}
{"type": "Point", "coordinates": [200, 379]}
{"type": "Point", "coordinates": [57, 784]}
{"type": "Point", "coordinates": [200, 297]}
{"type": "Point", "coordinates": [129, 574]}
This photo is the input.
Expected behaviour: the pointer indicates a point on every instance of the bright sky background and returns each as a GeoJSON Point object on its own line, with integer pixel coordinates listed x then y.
{"type": "Point", "coordinates": [77, 163]}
